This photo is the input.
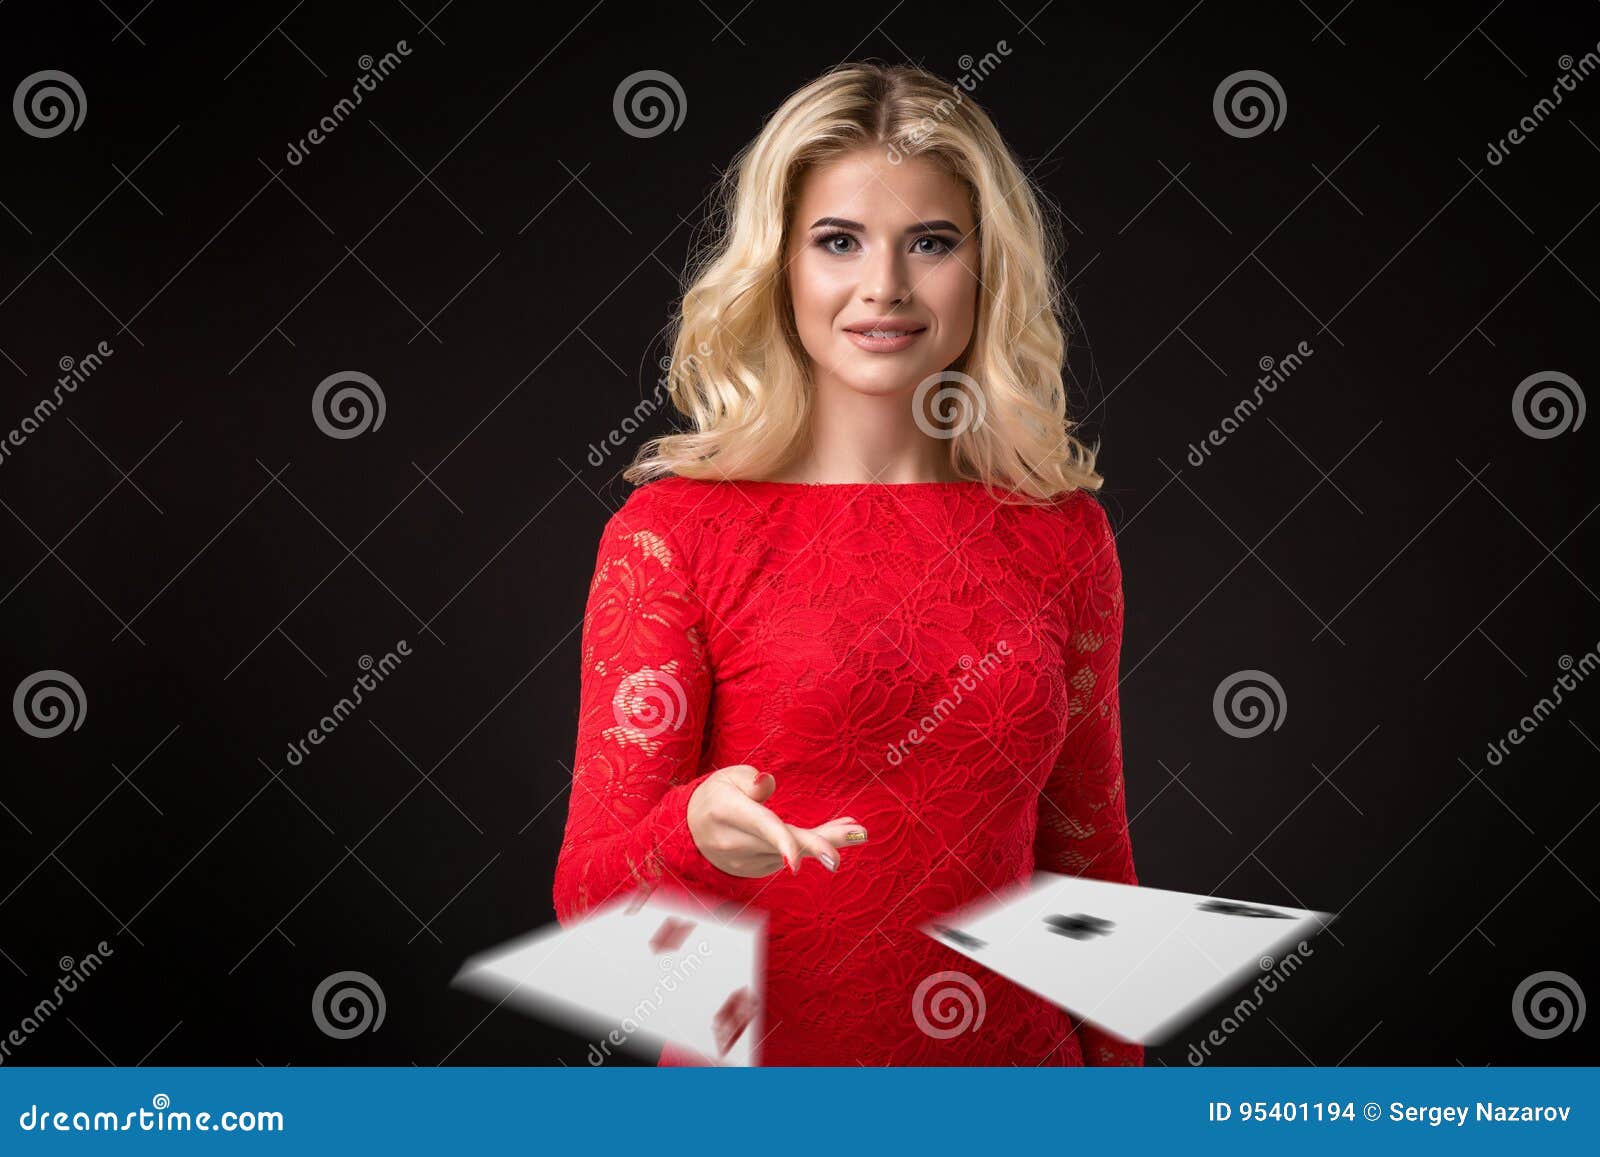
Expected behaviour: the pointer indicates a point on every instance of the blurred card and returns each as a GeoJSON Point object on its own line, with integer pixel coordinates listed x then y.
{"type": "Point", "coordinates": [1138, 962]}
{"type": "Point", "coordinates": [657, 968]}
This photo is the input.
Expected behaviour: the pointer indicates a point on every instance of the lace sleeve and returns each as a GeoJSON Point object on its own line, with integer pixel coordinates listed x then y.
{"type": "Point", "coordinates": [1083, 825]}
{"type": "Point", "coordinates": [645, 688]}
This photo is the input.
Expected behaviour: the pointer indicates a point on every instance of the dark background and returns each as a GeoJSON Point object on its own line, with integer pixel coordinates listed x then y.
{"type": "Point", "coordinates": [484, 241]}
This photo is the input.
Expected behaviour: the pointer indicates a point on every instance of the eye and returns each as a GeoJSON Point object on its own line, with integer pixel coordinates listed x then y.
{"type": "Point", "coordinates": [942, 245]}
{"type": "Point", "coordinates": [826, 242]}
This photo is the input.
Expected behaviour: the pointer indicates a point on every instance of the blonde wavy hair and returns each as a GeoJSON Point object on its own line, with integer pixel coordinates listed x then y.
{"type": "Point", "coordinates": [738, 370]}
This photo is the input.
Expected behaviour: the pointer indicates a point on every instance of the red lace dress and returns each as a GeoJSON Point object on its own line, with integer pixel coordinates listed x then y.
{"type": "Point", "coordinates": [923, 657]}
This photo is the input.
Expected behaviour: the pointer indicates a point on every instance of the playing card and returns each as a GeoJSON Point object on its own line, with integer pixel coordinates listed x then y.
{"type": "Point", "coordinates": [1136, 961]}
{"type": "Point", "coordinates": [651, 967]}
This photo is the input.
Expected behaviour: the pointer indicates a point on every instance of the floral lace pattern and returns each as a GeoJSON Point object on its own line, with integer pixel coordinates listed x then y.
{"type": "Point", "coordinates": [937, 664]}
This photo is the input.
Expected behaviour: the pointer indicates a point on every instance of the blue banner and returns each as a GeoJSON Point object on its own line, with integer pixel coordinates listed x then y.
{"type": "Point", "coordinates": [743, 1111]}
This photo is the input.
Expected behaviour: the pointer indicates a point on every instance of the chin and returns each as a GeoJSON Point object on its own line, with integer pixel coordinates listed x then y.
{"type": "Point", "coordinates": [888, 380]}
{"type": "Point", "coordinates": [881, 373]}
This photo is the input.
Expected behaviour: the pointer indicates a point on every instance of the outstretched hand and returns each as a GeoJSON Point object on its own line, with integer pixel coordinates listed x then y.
{"type": "Point", "coordinates": [736, 831]}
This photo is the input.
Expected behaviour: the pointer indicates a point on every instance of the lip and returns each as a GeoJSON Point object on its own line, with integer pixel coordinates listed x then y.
{"type": "Point", "coordinates": [905, 335]}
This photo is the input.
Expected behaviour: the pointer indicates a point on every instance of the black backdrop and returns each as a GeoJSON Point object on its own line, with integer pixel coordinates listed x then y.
{"type": "Point", "coordinates": [1383, 536]}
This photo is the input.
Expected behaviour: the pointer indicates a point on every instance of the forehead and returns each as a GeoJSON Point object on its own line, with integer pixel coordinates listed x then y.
{"type": "Point", "coordinates": [866, 186]}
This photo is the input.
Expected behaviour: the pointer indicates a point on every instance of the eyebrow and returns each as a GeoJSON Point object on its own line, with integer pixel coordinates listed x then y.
{"type": "Point", "coordinates": [920, 227]}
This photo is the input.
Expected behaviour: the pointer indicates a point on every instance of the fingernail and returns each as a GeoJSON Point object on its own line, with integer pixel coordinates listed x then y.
{"type": "Point", "coordinates": [794, 868]}
{"type": "Point", "coordinates": [856, 837]}
{"type": "Point", "coordinates": [830, 863]}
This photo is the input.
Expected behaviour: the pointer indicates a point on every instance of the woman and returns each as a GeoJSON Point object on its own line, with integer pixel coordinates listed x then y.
{"type": "Point", "coordinates": [866, 613]}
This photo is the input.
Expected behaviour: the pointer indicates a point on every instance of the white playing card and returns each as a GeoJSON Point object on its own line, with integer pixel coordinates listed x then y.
{"type": "Point", "coordinates": [662, 970]}
{"type": "Point", "coordinates": [1139, 962]}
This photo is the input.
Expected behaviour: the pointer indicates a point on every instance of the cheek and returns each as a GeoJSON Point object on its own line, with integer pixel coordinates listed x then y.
{"type": "Point", "coordinates": [952, 294]}
{"type": "Point", "coordinates": [815, 292]}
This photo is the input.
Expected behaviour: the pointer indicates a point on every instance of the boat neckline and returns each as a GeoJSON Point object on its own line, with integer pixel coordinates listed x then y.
{"type": "Point", "coordinates": [959, 486]}
{"type": "Point", "coordinates": [854, 485]}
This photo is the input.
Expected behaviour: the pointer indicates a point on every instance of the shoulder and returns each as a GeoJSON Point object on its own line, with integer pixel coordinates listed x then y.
{"type": "Point", "coordinates": [645, 504]}
{"type": "Point", "coordinates": [667, 516]}
{"type": "Point", "coordinates": [1087, 526]}
{"type": "Point", "coordinates": [664, 503]}
{"type": "Point", "coordinates": [1088, 543]}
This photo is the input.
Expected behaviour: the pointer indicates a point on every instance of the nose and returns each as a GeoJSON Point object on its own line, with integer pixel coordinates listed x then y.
{"type": "Point", "coordinates": [884, 280]}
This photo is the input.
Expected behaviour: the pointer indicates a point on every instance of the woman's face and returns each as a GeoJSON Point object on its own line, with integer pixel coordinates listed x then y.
{"type": "Point", "coordinates": [893, 244]}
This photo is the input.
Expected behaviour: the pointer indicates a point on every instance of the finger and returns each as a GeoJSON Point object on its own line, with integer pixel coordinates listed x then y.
{"type": "Point", "coordinates": [756, 820]}
{"type": "Point", "coordinates": [815, 845]}
{"type": "Point", "coordinates": [759, 786]}
{"type": "Point", "coordinates": [845, 833]}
